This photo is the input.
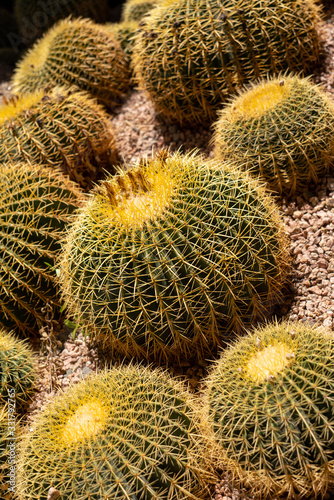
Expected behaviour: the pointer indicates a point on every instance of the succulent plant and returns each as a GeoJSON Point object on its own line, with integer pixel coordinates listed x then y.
{"type": "Point", "coordinates": [269, 404]}
{"type": "Point", "coordinates": [191, 55]}
{"type": "Point", "coordinates": [35, 16]}
{"type": "Point", "coordinates": [134, 10]}
{"type": "Point", "coordinates": [127, 433]}
{"type": "Point", "coordinates": [168, 258]}
{"type": "Point", "coordinates": [17, 369]}
{"type": "Point", "coordinates": [35, 206]}
{"type": "Point", "coordinates": [124, 32]}
{"type": "Point", "coordinates": [79, 53]}
{"type": "Point", "coordinates": [281, 129]}
{"type": "Point", "coordinates": [59, 128]}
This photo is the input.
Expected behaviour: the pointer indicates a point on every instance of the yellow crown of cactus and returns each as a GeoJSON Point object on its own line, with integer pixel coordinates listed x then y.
{"type": "Point", "coordinates": [127, 433]}
{"type": "Point", "coordinates": [191, 55]}
{"type": "Point", "coordinates": [269, 411]}
{"type": "Point", "coordinates": [35, 205]}
{"type": "Point", "coordinates": [17, 370]}
{"type": "Point", "coordinates": [281, 129]}
{"type": "Point", "coordinates": [35, 17]}
{"type": "Point", "coordinates": [76, 52]}
{"type": "Point", "coordinates": [168, 258]}
{"type": "Point", "coordinates": [60, 128]}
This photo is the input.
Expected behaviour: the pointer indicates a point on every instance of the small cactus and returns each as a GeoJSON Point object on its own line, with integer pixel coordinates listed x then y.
{"type": "Point", "coordinates": [281, 129]}
{"type": "Point", "coordinates": [59, 128]}
{"type": "Point", "coordinates": [134, 10]}
{"type": "Point", "coordinates": [124, 32]}
{"type": "Point", "coordinates": [170, 257]}
{"type": "Point", "coordinates": [17, 370]}
{"type": "Point", "coordinates": [79, 53]}
{"type": "Point", "coordinates": [35, 17]}
{"type": "Point", "coordinates": [127, 433]}
{"type": "Point", "coordinates": [35, 206]}
{"type": "Point", "coordinates": [192, 55]}
{"type": "Point", "coordinates": [269, 405]}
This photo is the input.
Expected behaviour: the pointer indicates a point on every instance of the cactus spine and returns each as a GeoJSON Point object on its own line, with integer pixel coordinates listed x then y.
{"type": "Point", "coordinates": [35, 206]}
{"type": "Point", "coordinates": [17, 369]}
{"type": "Point", "coordinates": [170, 257]}
{"type": "Point", "coordinates": [281, 129]}
{"type": "Point", "coordinates": [269, 404]}
{"type": "Point", "coordinates": [126, 433]}
{"type": "Point", "coordinates": [191, 55]}
{"type": "Point", "coordinates": [59, 128]}
{"type": "Point", "coordinates": [79, 53]}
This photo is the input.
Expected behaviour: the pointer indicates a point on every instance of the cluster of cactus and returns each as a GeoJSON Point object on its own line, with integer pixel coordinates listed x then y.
{"type": "Point", "coordinates": [59, 128]}
{"type": "Point", "coordinates": [282, 130]}
{"type": "Point", "coordinates": [17, 369]}
{"type": "Point", "coordinates": [269, 405]}
{"type": "Point", "coordinates": [127, 433]}
{"type": "Point", "coordinates": [79, 53]}
{"type": "Point", "coordinates": [167, 258]}
{"type": "Point", "coordinates": [35, 206]}
{"type": "Point", "coordinates": [191, 55]}
{"type": "Point", "coordinates": [35, 17]}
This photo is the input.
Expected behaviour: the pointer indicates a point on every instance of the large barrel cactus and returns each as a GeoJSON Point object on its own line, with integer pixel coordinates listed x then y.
{"type": "Point", "coordinates": [169, 258]}
{"type": "Point", "coordinates": [134, 10]}
{"type": "Point", "coordinates": [76, 52]}
{"type": "Point", "coordinates": [59, 128]}
{"type": "Point", "coordinates": [269, 405]}
{"type": "Point", "coordinates": [126, 433]}
{"type": "Point", "coordinates": [282, 130]}
{"type": "Point", "coordinates": [35, 206]}
{"type": "Point", "coordinates": [191, 55]}
{"type": "Point", "coordinates": [35, 16]}
{"type": "Point", "coordinates": [17, 370]}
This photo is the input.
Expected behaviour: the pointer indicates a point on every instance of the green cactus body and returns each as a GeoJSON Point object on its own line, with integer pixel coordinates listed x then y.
{"type": "Point", "coordinates": [35, 17]}
{"type": "Point", "coordinates": [17, 370]}
{"type": "Point", "coordinates": [134, 10]}
{"type": "Point", "coordinates": [79, 53]}
{"type": "Point", "coordinates": [191, 55]}
{"type": "Point", "coordinates": [269, 404]}
{"type": "Point", "coordinates": [166, 259]}
{"type": "Point", "coordinates": [129, 433]}
{"type": "Point", "coordinates": [281, 129]}
{"type": "Point", "coordinates": [124, 33]}
{"type": "Point", "coordinates": [35, 206]}
{"type": "Point", "coordinates": [60, 128]}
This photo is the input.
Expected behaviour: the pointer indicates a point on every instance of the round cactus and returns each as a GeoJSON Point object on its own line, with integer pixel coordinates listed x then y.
{"type": "Point", "coordinates": [190, 55]}
{"type": "Point", "coordinates": [167, 258]}
{"type": "Point", "coordinates": [59, 128]}
{"type": "Point", "coordinates": [79, 53]}
{"type": "Point", "coordinates": [17, 369]}
{"type": "Point", "coordinates": [35, 16]}
{"type": "Point", "coordinates": [124, 32]}
{"type": "Point", "coordinates": [126, 433]}
{"type": "Point", "coordinates": [281, 129]}
{"type": "Point", "coordinates": [134, 10]}
{"type": "Point", "coordinates": [35, 206]}
{"type": "Point", "coordinates": [269, 404]}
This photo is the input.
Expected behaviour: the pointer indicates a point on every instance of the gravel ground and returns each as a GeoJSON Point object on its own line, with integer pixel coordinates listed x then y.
{"type": "Point", "coordinates": [309, 220]}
